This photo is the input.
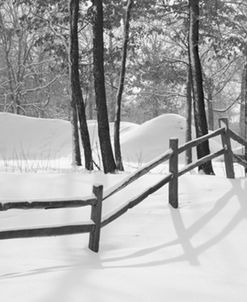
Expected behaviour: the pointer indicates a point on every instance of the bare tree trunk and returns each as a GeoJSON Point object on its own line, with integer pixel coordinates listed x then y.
{"type": "Point", "coordinates": [210, 111]}
{"type": "Point", "coordinates": [245, 108]}
{"type": "Point", "coordinates": [76, 93]}
{"type": "Point", "coordinates": [209, 87]}
{"type": "Point", "coordinates": [243, 102]}
{"type": "Point", "coordinates": [99, 86]}
{"type": "Point", "coordinates": [90, 99]}
{"type": "Point", "coordinates": [76, 154]}
{"type": "Point", "coordinates": [111, 76]}
{"type": "Point", "coordinates": [90, 104]}
{"type": "Point", "coordinates": [188, 154]}
{"type": "Point", "coordinates": [117, 147]}
{"type": "Point", "coordinates": [197, 86]}
{"type": "Point", "coordinates": [85, 135]}
{"type": "Point", "coordinates": [112, 101]}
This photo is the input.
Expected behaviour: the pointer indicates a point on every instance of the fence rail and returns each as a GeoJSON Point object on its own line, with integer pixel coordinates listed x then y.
{"type": "Point", "coordinates": [26, 205]}
{"type": "Point", "coordinates": [94, 226]}
{"type": "Point", "coordinates": [140, 172]}
{"type": "Point", "coordinates": [47, 231]}
{"type": "Point", "coordinates": [135, 201]}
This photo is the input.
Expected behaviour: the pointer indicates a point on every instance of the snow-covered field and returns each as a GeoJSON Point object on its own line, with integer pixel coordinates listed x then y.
{"type": "Point", "coordinates": [152, 253]}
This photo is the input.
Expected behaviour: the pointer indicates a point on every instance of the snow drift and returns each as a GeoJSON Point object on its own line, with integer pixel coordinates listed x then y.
{"type": "Point", "coordinates": [26, 138]}
{"type": "Point", "coordinates": [33, 138]}
{"type": "Point", "coordinates": [151, 139]}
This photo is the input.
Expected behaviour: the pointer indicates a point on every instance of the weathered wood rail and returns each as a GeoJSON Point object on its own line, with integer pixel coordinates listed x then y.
{"type": "Point", "coordinates": [97, 222]}
{"type": "Point", "coordinates": [92, 227]}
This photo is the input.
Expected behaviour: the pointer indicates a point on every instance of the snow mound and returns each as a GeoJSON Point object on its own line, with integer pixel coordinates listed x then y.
{"type": "Point", "coordinates": [93, 131]}
{"type": "Point", "coordinates": [25, 138]}
{"type": "Point", "coordinates": [151, 139]}
{"type": "Point", "coordinates": [38, 138]}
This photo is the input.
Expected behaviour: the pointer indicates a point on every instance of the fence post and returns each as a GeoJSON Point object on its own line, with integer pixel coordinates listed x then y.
{"type": "Point", "coordinates": [226, 142]}
{"type": "Point", "coordinates": [94, 236]}
{"type": "Point", "coordinates": [173, 168]}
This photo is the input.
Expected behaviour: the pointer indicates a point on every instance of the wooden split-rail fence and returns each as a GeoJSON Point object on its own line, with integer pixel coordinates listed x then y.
{"type": "Point", "coordinates": [97, 221]}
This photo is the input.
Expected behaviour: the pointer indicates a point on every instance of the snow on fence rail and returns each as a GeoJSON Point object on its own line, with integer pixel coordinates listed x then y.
{"type": "Point", "coordinates": [97, 222]}
{"type": "Point", "coordinates": [92, 227]}
{"type": "Point", "coordinates": [171, 155]}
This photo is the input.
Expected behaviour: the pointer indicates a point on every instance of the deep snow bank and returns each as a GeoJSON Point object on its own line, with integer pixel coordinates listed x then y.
{"type": "Point", "coordinates": [93, 131]}
{"type": "Point", "coordinates": [152, 138]}
{"type": "Point", "coordinates": [26, 138]}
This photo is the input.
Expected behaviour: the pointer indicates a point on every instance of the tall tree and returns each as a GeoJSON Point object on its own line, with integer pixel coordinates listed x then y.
{"type": "Point", "coordinates": [197, 85]}
{"type": "Point", "coordinates": [242, 105]}
{"type": "Point", "coordinates": [77, 102]}
{"type": "Point", "coordinates": [188, 134]}
{"type": "Point", "coordinates": [243, 108]}
{"type": "Point", "coordinates": [117, 148]}
{"type": "Point", "coordinates": [99, 86]}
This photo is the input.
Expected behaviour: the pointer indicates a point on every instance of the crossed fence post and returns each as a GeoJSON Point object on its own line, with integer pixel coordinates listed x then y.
{"type": "Point", "coordinates": [173, 168]}
{"type": "Point", "coordinates": [226, 142]}
{"type": "Point", "coordinates": [96, 212]}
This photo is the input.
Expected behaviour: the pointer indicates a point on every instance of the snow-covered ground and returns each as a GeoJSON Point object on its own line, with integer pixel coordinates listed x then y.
{"type": "Point", "coordinates": [152, 253]}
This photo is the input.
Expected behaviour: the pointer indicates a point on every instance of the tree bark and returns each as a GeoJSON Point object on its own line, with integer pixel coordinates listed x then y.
{"type": "Point", "coordinates": [111, 76]}
{"type": "Point", "coordinates": [244, 92]}
{"type": "Point", "coordinates": [76, 154]}
{"type": "Point", "coordinates": [197, 86]}
{"type": "Point", "coordinates": [210, 114]}
{"type": "Point", "coordinates": [209, 89]}
{"type": "Point", "coordinates": [99, 86]}
{"type": "Point", "coordinates": [76, 93]}
{"type": "Point", "coordinates": [188, 153]}
{"type": "Point", "coordinates": [112, 98]}
{"type": "Point", "coordinates": [210, 111]}
{"type": "Point", "coordinates": [90, 104]}
{"type": "Point", "coordinates": [243, 101]}
{"type": "Point", "coordinates": [117, 146]}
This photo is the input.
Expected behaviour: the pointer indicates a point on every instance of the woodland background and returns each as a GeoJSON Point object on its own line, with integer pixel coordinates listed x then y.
{"type": "Point", "coordinates": [35, 61]}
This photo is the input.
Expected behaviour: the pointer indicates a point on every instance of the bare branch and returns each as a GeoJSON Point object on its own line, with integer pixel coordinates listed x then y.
{"type": "Point", "coordinates": [228, 107]}
{"type": "Point", "coordinates": [41, 87]}
{"type": "Point", "coordinates": [60, 36]}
